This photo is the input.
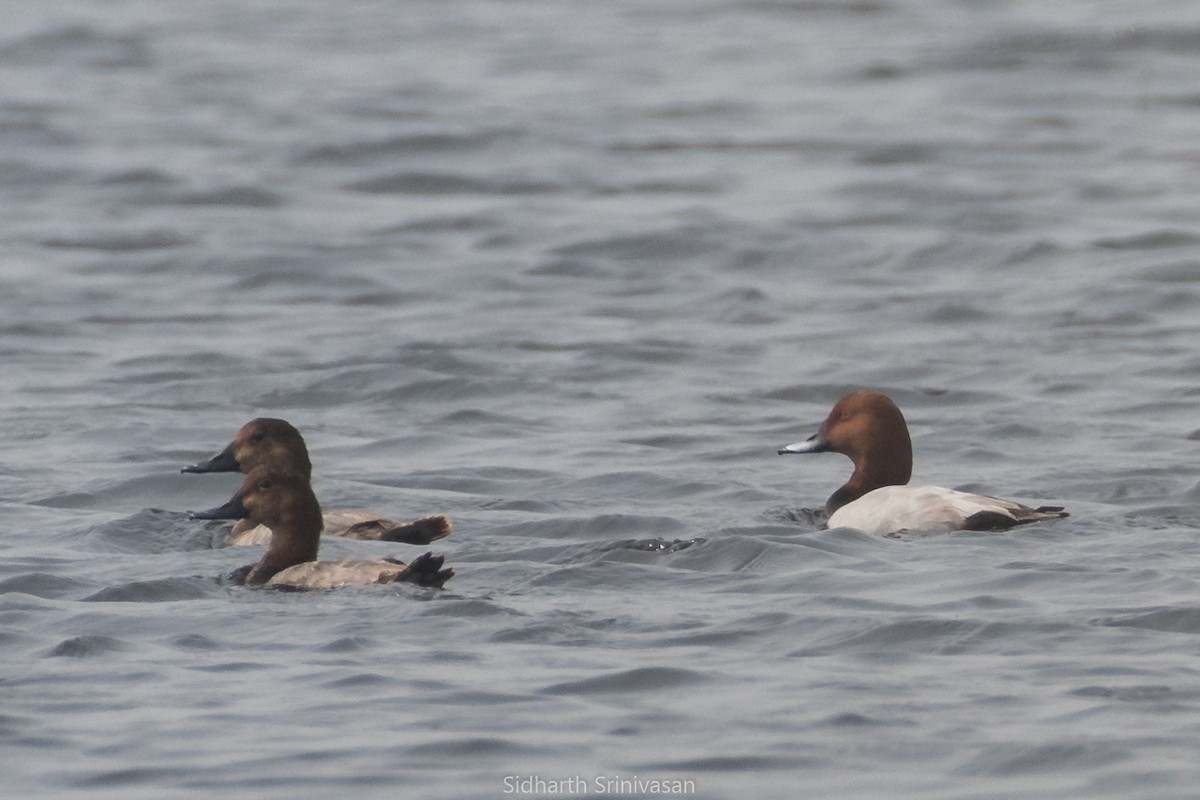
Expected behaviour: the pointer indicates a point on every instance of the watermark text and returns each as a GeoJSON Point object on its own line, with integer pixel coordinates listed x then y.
{"type": "Point", "coordinates": [533, 785]}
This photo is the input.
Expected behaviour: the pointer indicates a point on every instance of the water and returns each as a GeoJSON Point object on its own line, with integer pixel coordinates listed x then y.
{"type": "Point", "coordinates": [570, 273]}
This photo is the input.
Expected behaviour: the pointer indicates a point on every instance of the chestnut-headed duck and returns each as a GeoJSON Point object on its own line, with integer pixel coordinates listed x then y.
{"type": "Point", "coordinates": [284, 503]}
{"type": "Point", "coordinates": [277, 443]}
{"type": "Point", "coordinates": [868, 427]}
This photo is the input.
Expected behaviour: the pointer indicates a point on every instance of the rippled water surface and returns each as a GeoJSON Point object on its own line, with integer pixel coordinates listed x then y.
{"type": "Point", "coordinates": [569, 273]}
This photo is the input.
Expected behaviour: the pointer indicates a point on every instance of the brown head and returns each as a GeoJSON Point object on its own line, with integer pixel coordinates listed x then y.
{"type": "Point", "coordinates": [868, 427]}
{"type": "Point", "coordinates": [284, 502]}
{"type": "Point", "coordinates": [261, 442]}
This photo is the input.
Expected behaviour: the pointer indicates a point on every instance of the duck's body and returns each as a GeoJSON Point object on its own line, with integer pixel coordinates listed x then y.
{"type": "Point", "coordinates": [336, 574]}
{"type": "Point", "coordinates": [934, 509]}
{"type": "Point", "coordinates": [351, 524]}
{"type": "Point", "coordinates": [277, 443]}
{"type": "Point", "coordinates": [285, 503]}
{"type": "Point", "coordinates": [869, 428]}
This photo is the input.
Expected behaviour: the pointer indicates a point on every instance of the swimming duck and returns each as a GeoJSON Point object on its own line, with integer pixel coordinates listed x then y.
{"type": "Point", "coordinates": [284, 502]}
{"type": "Point", "coordinates": [276, 442]}
{"type": "Point", "coordinates": [869, 428]}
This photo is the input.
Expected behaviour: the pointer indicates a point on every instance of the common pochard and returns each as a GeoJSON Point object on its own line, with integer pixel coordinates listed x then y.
{"type": "Point", "coordinates": [277, 443]}
{"type": "Point", "coordinates": [869, 428]}
{"type": "Point", "coordinates": [284, 502]}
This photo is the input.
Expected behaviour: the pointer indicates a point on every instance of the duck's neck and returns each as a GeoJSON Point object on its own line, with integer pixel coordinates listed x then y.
{"type": "Point", "coordinates": [871, 474]}
{"type": "Point", "coordinates": [283, 458]}
{"type": "Point", "coordinates": [300, 463]}
{"type": "Point", "coordinates": [295, 539]}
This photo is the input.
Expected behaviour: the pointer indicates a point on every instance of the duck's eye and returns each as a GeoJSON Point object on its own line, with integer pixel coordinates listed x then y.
{"type": "Point", "coordinates": [258, 437]}
{"type": "Point", "coordinates": [266, 484]}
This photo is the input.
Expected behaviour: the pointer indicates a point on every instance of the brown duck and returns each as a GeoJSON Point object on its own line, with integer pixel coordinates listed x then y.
{"type": "Point", "coordinates": [277, 443]}
{"type": "Point", "coordinates": [284, 502]}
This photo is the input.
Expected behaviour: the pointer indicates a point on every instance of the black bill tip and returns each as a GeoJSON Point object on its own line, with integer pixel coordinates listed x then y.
{"type": "Point", "coordinates": [224, 461]}
{"type": "Point", "coordinates": [234, 509]}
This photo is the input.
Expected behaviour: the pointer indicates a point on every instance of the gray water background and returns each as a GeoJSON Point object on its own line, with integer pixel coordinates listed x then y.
{"type": "Point", "coordinates": [570, 272]}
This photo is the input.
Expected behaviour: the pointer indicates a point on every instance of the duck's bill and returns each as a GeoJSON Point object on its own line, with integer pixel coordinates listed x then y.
{"type": "Point", "coordinates": [234, 509]}
{"type": "Point", "coordinates": [813, 444]}
{"type": "Point", "coordinates": [224, 461]}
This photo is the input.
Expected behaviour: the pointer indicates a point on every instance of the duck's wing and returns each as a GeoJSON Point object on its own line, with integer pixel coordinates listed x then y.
{"type": "Point", "coordinates": [994, 514]}
{"type": "Point", "coordinates": [425, 570]}
{"type": "Point", "coordinates": [365, 525]}
{"type": "Point", "coordinates": [335, 574]}
{"type": "Point", "coordinates": [981, 512]}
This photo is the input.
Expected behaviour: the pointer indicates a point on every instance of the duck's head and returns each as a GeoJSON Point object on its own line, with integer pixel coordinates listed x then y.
{"type": "Point", "coordinates": [261, 442]}
{"type": "Point", "coordinates": [869, 428]}
{"type": "Point", "coordinates": [281, 500]}
{"type": "Point", "coordinates": [864, 423]}
{"type": "Point", "coordinates": [284, 502]}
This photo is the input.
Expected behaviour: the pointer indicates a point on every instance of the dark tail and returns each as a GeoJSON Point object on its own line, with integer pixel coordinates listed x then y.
{"type": "Point", "coordinates": [421, 531]}
{"type": "Point", "coordinates": [1052, 512]}
{"type": "Point", "coordinates": [426, 570]}
{"type": "Point", "coordinates": [1021, 515]}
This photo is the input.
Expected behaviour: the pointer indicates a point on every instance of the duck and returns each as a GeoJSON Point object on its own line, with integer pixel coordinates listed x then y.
{"type": "Point", "coordinates": [276, 442]}
{"type": "Point", "coordinates": [284, 502]}
{"type": "Point", "coordinates": [867, 426]}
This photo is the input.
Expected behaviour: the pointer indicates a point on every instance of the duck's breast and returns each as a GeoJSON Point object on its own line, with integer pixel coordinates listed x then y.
{"type": "Point", "coordinates": [334, 574]}
{"type": "Point", "coordinates": [245, 532]}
